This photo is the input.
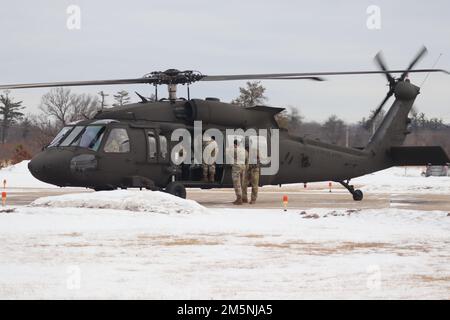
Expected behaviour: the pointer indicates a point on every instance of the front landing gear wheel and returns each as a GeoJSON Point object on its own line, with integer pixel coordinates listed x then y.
{"type": "Point", "coordinates": [357, 195]}
{"type": "Point", "coordinates": [177, 189]}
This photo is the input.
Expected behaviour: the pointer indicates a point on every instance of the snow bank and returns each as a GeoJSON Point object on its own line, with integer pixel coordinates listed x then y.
{"type": "Point", "coordinates": [18, 176]}
{"type": "Point", "coordinates": [140, 201]}
{"type": "Point", "coordinates": [402, 180]}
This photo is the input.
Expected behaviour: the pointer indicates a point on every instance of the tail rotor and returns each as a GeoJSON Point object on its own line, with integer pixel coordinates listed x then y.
{"type": "Point", "coordinates": [392, 82]}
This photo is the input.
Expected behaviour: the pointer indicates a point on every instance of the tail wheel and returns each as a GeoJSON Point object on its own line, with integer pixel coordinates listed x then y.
{"type": "Point", "coordinates": [357, 195]}
{"type": "Point", "coordinates": [177, 189]}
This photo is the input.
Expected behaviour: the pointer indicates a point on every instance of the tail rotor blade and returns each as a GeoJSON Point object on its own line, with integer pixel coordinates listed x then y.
{"type": "Point", "coordinates": [377, 110]}
{"type": "Point", "coordinates": [382, 64]}
{"type": "Point", "coordinates": [418, 57]}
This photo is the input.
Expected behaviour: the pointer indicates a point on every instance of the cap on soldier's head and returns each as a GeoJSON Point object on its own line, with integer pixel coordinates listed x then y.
{"type": "Point", "coordinates": [236, 142]}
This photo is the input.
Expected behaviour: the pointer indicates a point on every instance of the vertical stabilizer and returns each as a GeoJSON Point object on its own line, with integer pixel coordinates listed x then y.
{"type": "Point", "coordinates": [393, 128]}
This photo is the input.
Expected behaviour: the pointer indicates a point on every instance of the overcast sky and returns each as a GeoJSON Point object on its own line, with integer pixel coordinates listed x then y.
{"type": "Point", "coordinates": [121, 39]}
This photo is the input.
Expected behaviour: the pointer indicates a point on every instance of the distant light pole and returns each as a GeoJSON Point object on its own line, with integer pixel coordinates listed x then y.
{"type": "Point", "coordinates": [103, 95]}
{"type": "Point", "coordinates": [346, 135]}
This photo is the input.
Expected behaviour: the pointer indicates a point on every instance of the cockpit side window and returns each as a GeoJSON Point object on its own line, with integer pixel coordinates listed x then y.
{"type": "Point", "coordinates": [60, 136]}
{"type": "Point", "coordinates": [118, 141]}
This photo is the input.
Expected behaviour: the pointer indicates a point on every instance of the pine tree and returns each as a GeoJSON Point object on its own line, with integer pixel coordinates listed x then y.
{"type": "Point", "coordinates": [251, 95]}
{"type": "Point", "coordinates": [10, 113]}
{"type": "Point", "coordinates": [122, 97]}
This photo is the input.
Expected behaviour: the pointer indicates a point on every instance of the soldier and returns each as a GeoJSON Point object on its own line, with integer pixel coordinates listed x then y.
{"type": "Point", "coordinates": [253, 178]}
{"type": "Point", "coordinates": [209, 159]}
{"type": "Point", "coordinates": [245, 178]}
{"type": "Point", "coordinates": [252, 174]}
{"type": "Point", "coordinates": [238, 170]}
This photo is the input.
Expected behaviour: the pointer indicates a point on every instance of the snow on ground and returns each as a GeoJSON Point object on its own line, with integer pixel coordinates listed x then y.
{"type": "Point", "coordinates": [18, 176]}
{"type": "Point", "coordinates": [402, 180]}
{"type": "Point", "coordinates": [50, 252]}
{"type": "Point", "coordinates": [132, 200]}
{"type": "Point", "coordinates": [131, 244]}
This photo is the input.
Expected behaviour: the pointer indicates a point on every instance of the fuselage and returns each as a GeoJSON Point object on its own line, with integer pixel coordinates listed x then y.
{"type": "Point", "coordinates": [131, 146]}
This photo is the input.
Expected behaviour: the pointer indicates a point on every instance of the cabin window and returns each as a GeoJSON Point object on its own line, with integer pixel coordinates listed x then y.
{"type": "Point", "coordinates": [151, 145]}
{"type": "Point", "coordinates": [163, 147]}
{"type": "Point", "coordinates": [118, 141]}
{"type": "Point", "coordinates": [60, 136]}
{"type": "Point", "coordinates": [72, 136]}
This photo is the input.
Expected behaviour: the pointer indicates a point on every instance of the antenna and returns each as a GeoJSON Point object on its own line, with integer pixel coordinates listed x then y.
{"type": "Point", "coordinates": [428, 74]}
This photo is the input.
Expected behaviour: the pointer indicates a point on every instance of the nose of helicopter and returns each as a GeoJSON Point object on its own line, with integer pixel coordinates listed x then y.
{"type": "Point", "coordinates": [51, 166]}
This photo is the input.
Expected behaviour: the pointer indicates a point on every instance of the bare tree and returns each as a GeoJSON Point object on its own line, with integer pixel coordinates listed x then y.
{"type": "Point", "coordinates": [84, 106]}
{"type": "Point", "coordinates": [295, 121]}
{"type": "Point", "coordinates": [46, 129]}
{"type": "Point", "coordinates": [57, 104]}
{"type": "Point", "coordinates": [62, 105]}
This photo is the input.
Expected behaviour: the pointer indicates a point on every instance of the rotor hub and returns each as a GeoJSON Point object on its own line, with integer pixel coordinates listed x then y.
{"type": "Point", "coordinates": [174, 76]}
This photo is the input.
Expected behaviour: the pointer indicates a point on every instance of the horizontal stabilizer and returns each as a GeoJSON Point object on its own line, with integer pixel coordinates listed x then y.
{"type": "Point", "coordinates": [271, 110]}
{"type": "Point", "coordinates": [415, 156]}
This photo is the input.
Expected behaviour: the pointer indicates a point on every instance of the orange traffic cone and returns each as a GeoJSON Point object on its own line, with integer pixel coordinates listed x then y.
{"type": "Point", "coordinates": [285, 202]}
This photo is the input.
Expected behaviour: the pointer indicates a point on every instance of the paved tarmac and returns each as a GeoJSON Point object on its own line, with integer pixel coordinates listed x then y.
{"type": "Point", "coordinates": [271, 197]}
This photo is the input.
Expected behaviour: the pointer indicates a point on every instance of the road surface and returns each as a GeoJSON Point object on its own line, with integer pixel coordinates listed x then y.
{"type": "Point", "coordinates": [271, 197]}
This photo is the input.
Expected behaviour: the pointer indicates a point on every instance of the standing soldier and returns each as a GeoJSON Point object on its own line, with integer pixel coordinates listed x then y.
{"type": "Point", "coordinates": [245, 178]}
{"type": "Point", "coordinates": [253, 172]}
{"type": "Point", "coordinates": [209, 159]}
{"type": "Point", "coordinates": [253, 178]}
{"type": "Point", "coordinates": [238, 170]}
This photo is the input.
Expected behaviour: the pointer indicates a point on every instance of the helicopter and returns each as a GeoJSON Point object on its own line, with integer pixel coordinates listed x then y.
{"type": "Point", "coordinates": [128, 146]}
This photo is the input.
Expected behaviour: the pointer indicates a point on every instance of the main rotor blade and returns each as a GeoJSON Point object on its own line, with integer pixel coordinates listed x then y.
{"type": "Point", "coordinates": [76, 83]}
{"type": "Point", "coordinates": [296, 78]}
{"type": "Point", "coordinates": [306, 74]}
{"type": "Point", "coordinates": [155, 79]}
{"type": "Point", "coordinates": [419, 56]}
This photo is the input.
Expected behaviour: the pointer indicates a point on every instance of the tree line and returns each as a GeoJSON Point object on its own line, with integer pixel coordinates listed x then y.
{"type": "Point", "coordinates": [22, 135]}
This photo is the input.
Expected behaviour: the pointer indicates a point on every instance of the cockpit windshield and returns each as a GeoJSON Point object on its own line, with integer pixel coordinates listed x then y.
{"type": "Point", "coordinates": [90, 138]}
{"type": "Point", "coordinates": [81, 136]}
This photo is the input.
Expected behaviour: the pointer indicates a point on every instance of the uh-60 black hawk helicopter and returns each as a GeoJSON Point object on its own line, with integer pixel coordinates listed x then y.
{"type": "Point", "coordinates": [81, 154]}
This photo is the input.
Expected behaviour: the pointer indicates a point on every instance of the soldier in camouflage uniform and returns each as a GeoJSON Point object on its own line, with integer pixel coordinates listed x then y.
{"type": "Point", "coordinates": [245, 178]}
{"type": "Point", "coordinates": [252, 177]}
{"type": "Point", "coordinates": [254, 170]}
{"type": "Point", "coordinates": [238, 171]}
{"type": "Point", "coordinates": [209, 163]}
